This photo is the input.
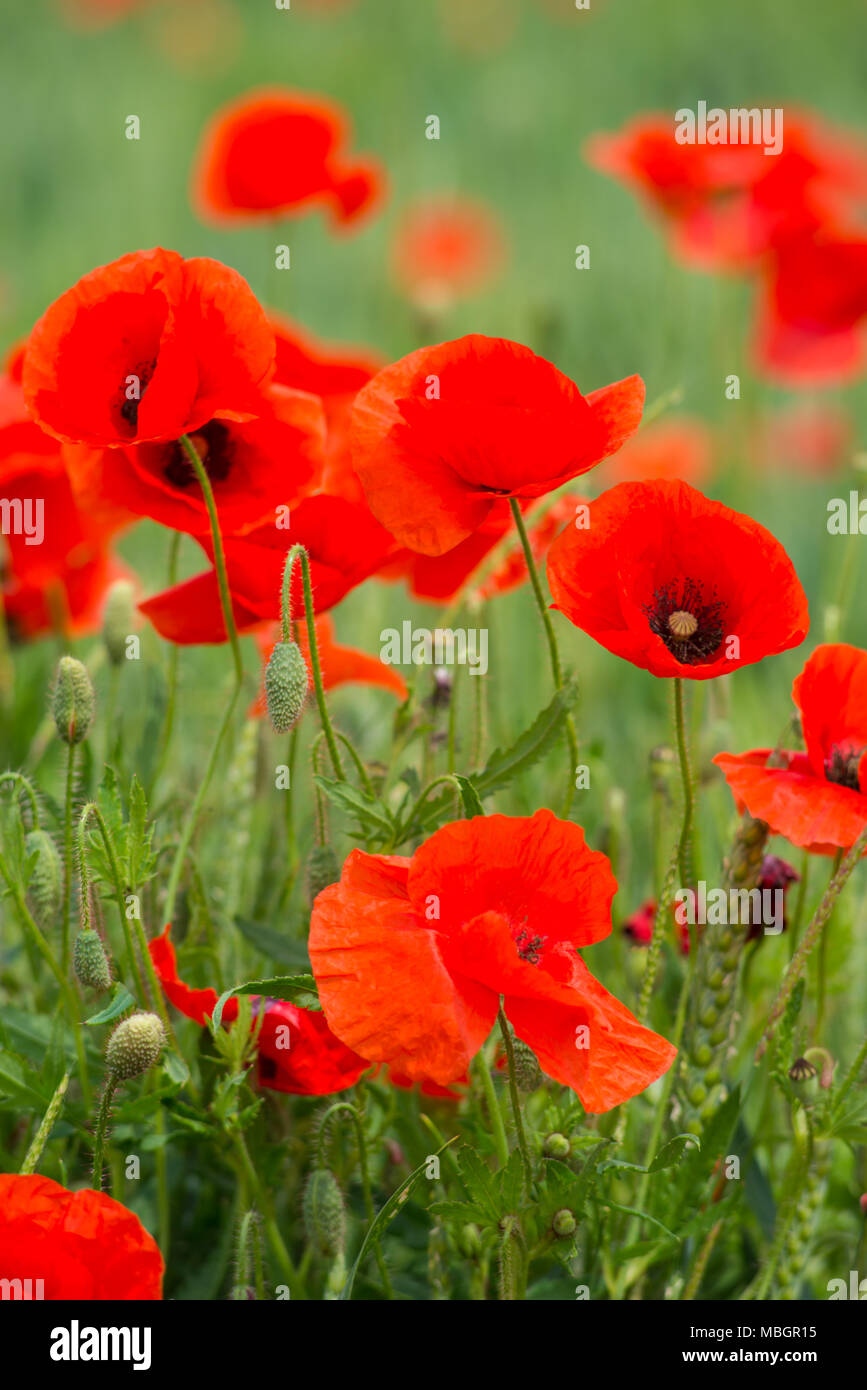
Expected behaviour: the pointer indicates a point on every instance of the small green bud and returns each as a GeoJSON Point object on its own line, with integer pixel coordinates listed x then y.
{"type": "Point", "coordinates": [118, 617]}
{"type": "Point", "coordinates": [73, 701]}
{"type": "Point", "coordinates": [564, 1223]}
{"type": "Point", "coordinates": [46, 884]}
{"type": "Point", "coordinates": [470, 1241]}
{"type": "Point", "coordinates": [528, 1073]}
{"type": "Point", "coordinates": [324, 1215]}
{"type": "Point", "coordinates": [322, 869]}
{"type": "Point", "coordinates": [89, 960]}
{"type": "Point", "coordinates": [697, 1094]}
{"type": "Point", "coordinates": [286, 682]}
{"type": "Point", "coordinates": [135, 1046]}
{"type": "Point", "coordinates": [556, 1145]}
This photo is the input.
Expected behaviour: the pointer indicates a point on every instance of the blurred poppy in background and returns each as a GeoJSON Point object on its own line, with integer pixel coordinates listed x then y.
{"type": "Point", "coordinates": [446, 247]}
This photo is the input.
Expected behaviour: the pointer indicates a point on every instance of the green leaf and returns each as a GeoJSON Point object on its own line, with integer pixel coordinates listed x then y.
{"type": "Point", "coordinates": [458, 1211]}
{"type": "Point", "coordinates": [671, 1153]}
{"type": "Point", "coordinates": [273, 944]}
{"type": "Point", "coordinates": [469, 797]}
{"type": "Point", "coordinates": [176, 1068]}
{"type": "Point", "coordinates": [121, 1001]}
{"type": "Point", "coordinates": [512, 1183]}
{"type": "Point", "coordinates": [15, 1083]}
{"type": "Point", "coordinates": [294, 989]}
{"type": "Point", "coordinates": [479, 1182]}
{"type": "Point", "coordinates": [371, 814]}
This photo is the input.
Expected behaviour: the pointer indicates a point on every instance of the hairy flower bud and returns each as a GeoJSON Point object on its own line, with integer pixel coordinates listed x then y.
{"type": "Point", "coordinates": [73, 701]}
{"type": "Point", "coordinates": [556, 1145]}
{"type": "Point", "coordinates": [135, 1046]}
{"type": "Point", "coordinates": [286, 682]}
{"type": "Point", "coordinates": [46, 882]}
{"type": "Point", "coordinates": [117, 619]}
{"type": "Point", "coordinates": [324, 1215]}
{"type": "Point", "coordinates": [322, 869]}
{"type": "Point", "coordinates": [89, 960]}
{"type": "Point", "coordinates": [564, 1223]}
{"type": "Point", "coordinates": [528, 1073]}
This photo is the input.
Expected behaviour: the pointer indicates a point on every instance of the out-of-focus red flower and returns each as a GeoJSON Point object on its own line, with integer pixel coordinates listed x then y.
{"type": "Point", "coordinates": [807, 437]}
{"type": "Point", "coordinates": [339, 665]}
{"type": "Point", "coordinates": [98, 14]}
{"type": "Point", "coordinates": [676, 583]}
{"type": "Point", "coordinates": [446, 247]}
{"type": "Point", "coordinates": [812, 313]}
{"type": "Point", "coordinates": [678, 448]}
{"type": "Point", "coordinates": [345, 546]}
{"type": "Point", "coordinates": [84, 1245]}
{"type": "Point", "coordinates": [439, 436]}
{"type": "Point", "coordinates": [297, 1052]}
{"type": "Point", "coordinates": [412, 956]}
{"type": "Point", "coordinates": [148, 348]}
{"type": "Point", "coordinates": [255, 467]}
{"type": "Point", "coordinates": [275, 152]}
{"type": "Point", "coordinates": [639, 927]}
{"type": "Point", "coordinates": [816, 799]}
{"type": "Point", "coordinates": [728, 205]}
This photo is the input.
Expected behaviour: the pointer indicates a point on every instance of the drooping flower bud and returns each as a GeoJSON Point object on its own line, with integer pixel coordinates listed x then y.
{"type": "Point", "coordinates": [46, 883]}
{"type": "Point", "coordinates": [73, 701]}
{"type": "Point", "coordinates": [117, 619]}
{"type": "Point", "coordinates": [89, 960]}
{"type": "Point", "coordinates": [324, 1214]}
{"type": "Point", "coordinates": [135, 1046]}
{"type": "Point", "coordinates": [286, 682]}
{"type": "Point", "coordinates": [528, 1073]}
{"type": "Point", "coordinates": [322, 869]}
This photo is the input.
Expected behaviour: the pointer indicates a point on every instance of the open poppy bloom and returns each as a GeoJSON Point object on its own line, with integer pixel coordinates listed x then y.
{"type": "Point", "coordinates": [276, 152]}
{"type": "Point", "coordinates": [816, 799]}
{"type": "Point", "coordinates": [812, 314]}
{"type": "Point", "coordinates": [147, 348]}
{"type": "Point", "coordinates": [676, 583]}
{"type": "Point", "coordinates": [255, 467]}
{"type": "Point", "coordinates": [412, 955]}
{"type": "Point", "coordinates": [297, 1052]}
{"type": "Point", "coordinates": [439, 436]}
{"type": "Point", "coordinates": [82, 1245]}
{"type": "Point", "coordinates": [345, 546]}
{"type": "Point", "coordinates": [446, 247]}
{"type": "Point", "coordinates": [339, 665]}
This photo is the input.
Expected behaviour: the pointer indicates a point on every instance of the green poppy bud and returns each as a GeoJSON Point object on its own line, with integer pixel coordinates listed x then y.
{"type": "Point", "coordinates": [556, 1145]}
{"type": "Point", "coordinates": [324, 1215]}
{"type": "Point", "coordinates": [73, 701]}
{"type": "Point", "coordinates": [89, 960]}
{"type": "Point", "coordinates": [117, 620]}
{"type": "Point", "coordinates": [564, 1223]}
{"type": "Point", "coordinates": [46, 884]}
{"type": "Point", "coordinates": [135, 1046]}
{"type": "Point", "coordinates": [528, 1073]}
{"type": "Point", "coordinates": [286, 682]}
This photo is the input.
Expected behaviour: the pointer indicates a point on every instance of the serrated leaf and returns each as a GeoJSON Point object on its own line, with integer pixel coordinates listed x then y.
{"type": "Point", "coordinates": [479, 1182]}
{"type": "Point", "coordinates": [369, 812]}
{"type": "Point", "coordinates": [273, 944]}
{"type": "Point", "coordinates": [300, 990]}
{"type": "Point", "coordinates": [671, 1153]}
{"type": "Point", "coordinates": [512, 1183]}
{"type": "Point", "coordinates": [17, 1083]}
{"type": "Point", "coordinates": [469, 796]}
{"type": "Point", "coordinates": [121, 1001]}
{"type": "Point", "coordinates": [458, 1211]}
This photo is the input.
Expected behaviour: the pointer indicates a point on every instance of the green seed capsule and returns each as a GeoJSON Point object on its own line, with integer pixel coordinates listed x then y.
{"type": "Point", "coordinates": [89, 960]}
{"type": "Point", "coordinates": [324, 1214]}
{"type": "Point", "coordinates": [46, 884]}
{"type": "Point", "coordinates": [73, 701]}
{"type": "Point", "coordinates": [322, 869]}
{"type": "Point", "coordinates": [117, 620]}
{"type": "Point", "coordinates": [135, 1046]}
{"type": "Point", "coordinates": [286, 682]}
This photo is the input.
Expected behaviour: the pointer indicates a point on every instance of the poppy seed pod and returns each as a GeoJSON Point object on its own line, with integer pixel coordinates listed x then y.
{"type": "Point", "coordinates": [73, 701]}
{"type": "Point", "coordinates": [89, 960]}
{"type": "Point", "coordinates": [45, 887]}
{"type": "Point", "coordinates": [324, 1215]}
{"type": "Point", "coordinates": [117, 620]}
{"type": "Point", "coordinates": [135, 1046]}
{"type": "Point", "coordinates": [528, 1073]}
{"type": "Point", "coordinates": [286, 682]}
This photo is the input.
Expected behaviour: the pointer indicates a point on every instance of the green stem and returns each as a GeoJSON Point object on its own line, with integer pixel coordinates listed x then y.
{"type": "Point", "coordinates": [172, 681]}
{"type": "Point", "coordinates": [41, 1137]}
{"type": "Point", "coordinates": [498, 1129]}
{"type": "Point", "coordinates": [20, 780]}
{"type": "Point", "coordinates": [298, 551]}
{"type": "Point", "coordinates": [278, 1245]}
{"type": "Point", "coordinates": [851, 1076]}
{"type": "Point", "coordinates": [516, 1100]}
{"type": "Point", "coordinates": [111, 1084]}
{"type": "Point", "coordinates": [684, 851]}
{"type": "Point", "coordinates": [219, 553]}
{"type": "Point", "coordinates": [67, 855]}
{"type": "Point", "coordinates": [91, 809]}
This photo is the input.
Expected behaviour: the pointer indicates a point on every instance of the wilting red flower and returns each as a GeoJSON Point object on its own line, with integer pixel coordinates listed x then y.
{"type": "Point", "coordinates": [812, 310]}
{"type": "Point", "coordinates": [446, 247]}
{"type": "Point", "coordinates": [297, 1052]}
{"type": "Point", "coordinates": [147, 348]}
{"type": "Point", "coordinates": [676, 583]}
{"type": "Point", "coordinates": [345, 546]}
{"type": "Point", "coordinates": [255, 467]}
{"type": "Point", "coordinates": [678, 448]}
{"type": "Point", "coordinates": [729, 205]}
{"type": "Point", "coordinates": [440, 435]}
{"type": "Point", "coordinates": [339, 665]}
{"type": "Point", "coordinates": [816, 799]}
{"type": "Point", "coordinates": [412, 955]}
{"type": "Point", "coordinates": [808, 437]}
{"type": "Point", "coordinates": [83, 1245]}
{"type": "Point", "coordinates": [275, 152]}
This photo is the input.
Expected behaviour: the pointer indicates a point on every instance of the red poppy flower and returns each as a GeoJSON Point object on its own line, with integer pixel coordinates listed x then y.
{"type": "Point", "coordinates": [678, 448]}
{"type": "Point", "coordinates": [812, 311]}
{"type": "Point", "coordinates": [727, 205]}
{"type": "Point", "coordinates": [345, 546]}
{"type": "Point", "coordinates": [275, 152]}
{"type": "Point", "coordinates": [639, 927]}
{"type": "Point", "coordinates": [446, 247]}
{"type": "Point", "coordinates": [817, 799]}
{"type": "Point", "coordinates": [83, 1245]}
{"type": "Point", "coordinates": [339, 665]}
{"type": "Point", "coordinates": [440, 435]}
{"type": "Point", "coordinates": [677, 584]}
{"type": "Point", "coordinates": [412, 956]}
{"type": "Point", "coordinates": [255, 467]}
{"type": "Point", "coordinates": [148, 348]}
{"type": "Point", "coordinates": [297, 1052]}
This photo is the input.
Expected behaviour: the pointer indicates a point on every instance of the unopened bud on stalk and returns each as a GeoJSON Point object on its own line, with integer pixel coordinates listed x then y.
{"type": "Point", "coordinates": [117, 619]}
{"type": "Point", "coordinates": [324, 1215]}
{"type": "Point", "coordinates": [73, 700]}
{"type": "Point", "coordinates": [135, 1046]}
{"type": "Point", "coordinates": [286, 682]}
{"type": "Point", "coordinates": [556, 1145]}
{"type": "Point", "coordinates": [45, 887]}
{"type": "Point", "coordinates": [322, 869]}
{"type": "Point", "coordinates": [528, 1073]}
{"type": "Point", "coordinates": [89, 960]}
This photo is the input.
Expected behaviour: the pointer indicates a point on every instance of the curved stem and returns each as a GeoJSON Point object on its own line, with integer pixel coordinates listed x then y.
{"type": "Point", "coordinates": [219, 554]}
{"type": "Point", "coordinates": [20, 780]}
{"type": "Point", "coordinates": [298, 551]}
{"type": "Point", "coordinates": [101, 1131]}
{"type": "Point", "coordinates": [516, 1100]}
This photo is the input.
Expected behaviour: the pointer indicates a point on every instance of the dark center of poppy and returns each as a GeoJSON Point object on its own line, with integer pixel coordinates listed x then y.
{"type": "Point", "coordinates": [214, 446]}
{"type": "Point", "coordinates": [529, 947]}
{"type": "Point", "coordinates": [689, 624]}
{"type": "Point", "coordinates": [134, 387]}
{"type": "Point", "coordinates": [842, 768]}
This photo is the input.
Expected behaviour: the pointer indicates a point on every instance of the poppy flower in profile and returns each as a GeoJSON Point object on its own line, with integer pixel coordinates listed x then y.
{"type": "Point", "coordinates": [296, 1050]}
{"type": "Point", "coordinates": [439, 436]}
{"type": "Point", "coordinates": [345, 546]}
{"type": "Point", "coordinates": [681, 447]}
{"type": "Point", "coordinates": [816, 799]}
{"type": "Point", "coordinates": [256, 467]}
{"type": "Point", "coordinates": [148, 348]}
{"type": "Point", "coordinates": [446, 247]}
{"type": "Point", "coordinates": [676, 583]}
{"type": "Point", "coordinates": [412, 955]}
{"type": "Point", "coordinates": [278, 153]}
{"type": "Point", "coordinates": [812, 312]}
{"type": "Point", "coordinates": [339, 665]}
{"type": "Point", "coordinates": [83, 1245]}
